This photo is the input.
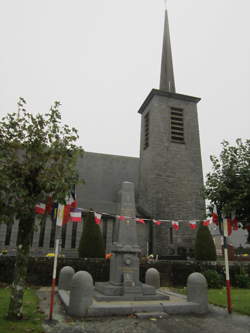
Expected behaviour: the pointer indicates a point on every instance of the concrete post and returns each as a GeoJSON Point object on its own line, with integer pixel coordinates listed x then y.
{"type": "Point", "coordinates": [81, 294]}
{"type": "Point", "coordinates": [197, 291]}
{"type": "Point", "coordinates": [65, 278]}
{"type": "Point", "coordinates": [153, 278]}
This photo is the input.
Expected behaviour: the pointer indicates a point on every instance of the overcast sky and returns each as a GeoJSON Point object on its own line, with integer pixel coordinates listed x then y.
{"type": "Point", "coordinates": [101, 58]}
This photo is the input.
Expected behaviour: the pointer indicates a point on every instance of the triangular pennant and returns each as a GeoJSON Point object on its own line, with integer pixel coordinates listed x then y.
{"type": "Point", "coordinates": [140, 221]}
{"type": "Point", "coordinates": [98, 218]}
{"type": "Point", "coordinates": [157, 222]}
{"type": "Point", "coordinates": [206, 223]}
{"type": "Point", "coordinates": [40, 208]}
{"type": "Point", "coordinates": [192, 224]}
{"type": "Point", "coordinates": [215, 217]}
{"type": "Point", "coordinates": [121, 218]}
{"type": "Point", "coordinates": [175, 225]}
{"type": "Point", "coordinates": [234, 222]}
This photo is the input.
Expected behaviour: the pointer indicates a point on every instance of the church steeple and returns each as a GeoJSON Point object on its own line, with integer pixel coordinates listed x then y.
{"type": "Point", "coordinates": [167, 72]}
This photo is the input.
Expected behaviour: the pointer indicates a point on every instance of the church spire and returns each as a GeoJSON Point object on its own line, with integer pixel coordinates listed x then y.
{"type": "Point", "coordinates": [167, 72]}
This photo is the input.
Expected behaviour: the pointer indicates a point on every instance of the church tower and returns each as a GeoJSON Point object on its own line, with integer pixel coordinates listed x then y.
{"type": "Point", "coordinates": [170, 172]}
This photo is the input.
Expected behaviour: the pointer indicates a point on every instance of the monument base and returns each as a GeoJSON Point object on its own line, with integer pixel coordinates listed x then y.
{"type": "Point", "coordinates": [105, 291]}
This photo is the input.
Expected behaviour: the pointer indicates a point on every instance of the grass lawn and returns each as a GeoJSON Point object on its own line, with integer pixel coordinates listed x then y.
{"type": "Point", "coordinates": [32, 316]}
{"type": "Point", "coordinates": [240, 298]}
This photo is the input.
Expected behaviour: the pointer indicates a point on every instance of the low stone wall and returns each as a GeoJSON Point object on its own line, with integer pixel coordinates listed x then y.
{"type": "Point", "coordinates": [172, 273]}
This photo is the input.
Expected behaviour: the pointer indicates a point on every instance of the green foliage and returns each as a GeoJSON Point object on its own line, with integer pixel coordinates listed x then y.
{"type": "Point", "coordinates": [91, 243]}
{"type": "Point", "coordinates": [214, 279]}
{"type": "Point", "coordinates": [242, 281]}
{"type": "Point", "coordinates": [228, 185]}
{"type": "Point", "coordinates": [204, 244]}
{"type": "Point", "coordinates": [32, 321]}
{"type": "Point", "coordinates": [37, 158]}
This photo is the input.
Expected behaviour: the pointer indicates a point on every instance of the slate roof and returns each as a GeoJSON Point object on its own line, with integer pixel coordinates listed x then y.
{"type": "Point", "coordinates": [103, 175]}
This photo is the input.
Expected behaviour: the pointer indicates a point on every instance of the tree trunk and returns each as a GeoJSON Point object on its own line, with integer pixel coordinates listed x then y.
{"type": "Point", "coordinates": [26, 225]}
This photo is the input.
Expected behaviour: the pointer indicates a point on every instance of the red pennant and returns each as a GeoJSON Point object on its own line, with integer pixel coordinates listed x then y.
{"type": "Point", "coordinates": [229, 227]}
{"type": "Point", "coordinates": [235, 223]}
{"type": "Point", "coordinates": [192, 224]}
{"type": "Point", "coordinates": [98, 218]}
{"type": "Point", "coordinates": [121, 218]}
{"type": "Point", "coordinates": [157, 222]}
{"type": "Point", "coordinates": [175, 225]}
{"type": "Point", "coordinates": [206, 223]}
{"type": "Point", "coordinates": [140, 221]}
{"type": "Point", "coordinates": [40, 208]}
{"type": "Point", "coordinates": [49, 205]}
{"type": "Point", "coordinates": [215, 217]}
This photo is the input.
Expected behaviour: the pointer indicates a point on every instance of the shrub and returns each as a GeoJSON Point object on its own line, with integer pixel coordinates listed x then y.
{"type": "Point", "coordinates": [214, 279]}
{"type": "Point", "coordinates": [204, 244]}
{"type": "Point", "coordinates": [242, 281]}
{"type": "Point", "coordinates": [91, 243]}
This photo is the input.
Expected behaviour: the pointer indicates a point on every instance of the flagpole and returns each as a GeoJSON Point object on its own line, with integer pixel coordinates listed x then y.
{"type": "Point", "coordinates": [53, 284]}
{"type": "Point", "coordinates": [59, 221]}
{"type": "Point", "coordinates": [228, 284]}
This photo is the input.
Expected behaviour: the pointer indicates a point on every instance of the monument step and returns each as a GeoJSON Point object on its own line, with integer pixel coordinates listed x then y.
{"type": "Point", "coordinates": [153, 315]}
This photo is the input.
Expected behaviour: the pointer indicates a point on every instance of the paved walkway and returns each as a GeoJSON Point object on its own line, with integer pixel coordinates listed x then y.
{"type": "Point", "coordinates": [216, 321]}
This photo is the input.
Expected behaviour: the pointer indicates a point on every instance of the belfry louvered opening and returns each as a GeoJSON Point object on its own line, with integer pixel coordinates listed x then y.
{"type": "Point", "coordinates": [177, 125]}
{"type": "Point", "coordinates": [146, 131]}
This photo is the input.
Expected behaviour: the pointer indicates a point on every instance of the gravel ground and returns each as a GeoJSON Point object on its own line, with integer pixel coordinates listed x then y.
{"type": "Point", "coordinates": [216, 321]}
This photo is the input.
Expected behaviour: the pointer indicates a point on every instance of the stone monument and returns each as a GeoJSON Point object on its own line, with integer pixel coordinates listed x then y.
{"type": "Point", "coordinates": [124, 280]}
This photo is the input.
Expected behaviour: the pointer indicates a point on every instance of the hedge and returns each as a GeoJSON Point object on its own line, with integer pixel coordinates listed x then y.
{"type": "Point", "coordinates": [173, 273]}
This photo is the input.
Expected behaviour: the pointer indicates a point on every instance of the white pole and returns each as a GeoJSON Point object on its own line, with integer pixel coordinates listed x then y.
{"type": "Point", "coordinates": [225, 230]}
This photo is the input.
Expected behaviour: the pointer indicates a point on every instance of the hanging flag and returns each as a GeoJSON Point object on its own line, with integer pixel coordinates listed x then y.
{"type": "Point", "coordinates": [215, 216]}
{"type": "Point", "coordinates": [234, 222]}
{"type": "Point", "coordinates": [140, 221]}
{"type": "Point", "coordinates": [206, 222]}
{"type": "Point", "coordinates": [75, 215]}
{"type": "Point", "coordinates": [60, 215]}
{"type": "Point", "coordinates": [66, 214]}
{"type": "Point", "coordinates": [40, 208]}
{"type": "Point", "coordinates": [157, 222]}
{"type": "Point", "coordinates": [98, 218]}
{"type": "Point", "coordinates": [229, 226]}
{"type": "Point", "coordinates": [192, 224]}
{"type": "Point", "coordinates": [175, 225]}
{"type": "Point", "coordinates": [121, 218]}
{"type": "Point", "coordinates": [49, 205]}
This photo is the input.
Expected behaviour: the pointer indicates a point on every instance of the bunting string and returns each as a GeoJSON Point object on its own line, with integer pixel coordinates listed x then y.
{"type": "Point", "coordinates": [74, 214]}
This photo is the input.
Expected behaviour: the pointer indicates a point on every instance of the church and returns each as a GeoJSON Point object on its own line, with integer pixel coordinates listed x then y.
{"type": "Point", "coordinates": [167, 176]}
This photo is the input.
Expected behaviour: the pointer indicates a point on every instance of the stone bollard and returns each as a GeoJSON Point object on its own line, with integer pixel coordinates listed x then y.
{"type": "Point", "coordinates": [81, 294]}
{"type": "Point", "coordinates": [153, 278]}
{"type": "Point", "coordinates": [197, 291]}
{"type": "Point", "coordinates": [65, 277]}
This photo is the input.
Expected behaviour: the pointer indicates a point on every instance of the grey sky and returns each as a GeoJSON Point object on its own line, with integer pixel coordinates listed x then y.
{"type": "Point", "coordinates": [101, 59]}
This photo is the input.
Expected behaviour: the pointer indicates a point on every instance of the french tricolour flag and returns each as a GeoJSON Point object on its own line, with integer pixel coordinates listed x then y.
{"type": "Point", "coordinates": [75, 215]}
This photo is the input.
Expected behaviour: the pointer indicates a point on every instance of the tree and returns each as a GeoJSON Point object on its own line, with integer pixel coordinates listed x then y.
{"type": "Point", "coordinates": [91, 243]}
{"type": "Point", "coordinates": [204, 244]}
{"type": "Point", "coordinates": [38, 158]}
{"type": "Point", "coordinates": [228, 185]}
